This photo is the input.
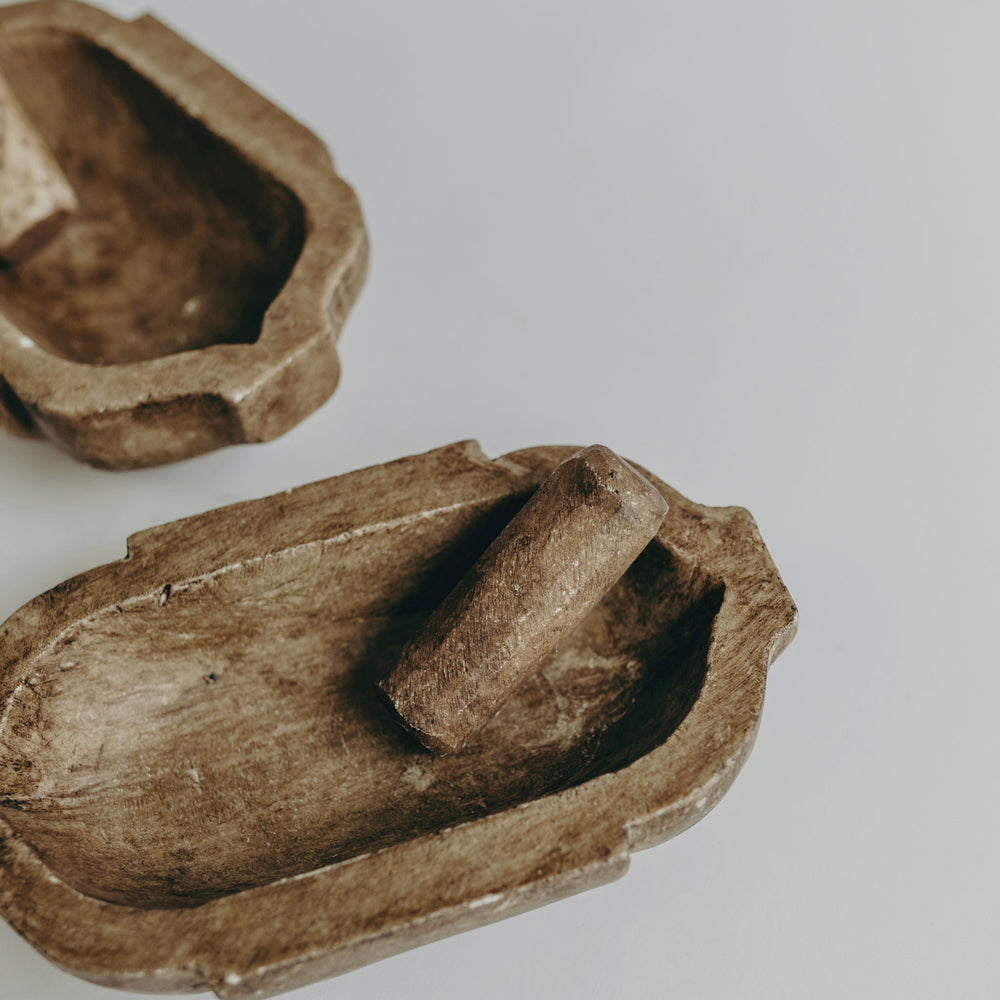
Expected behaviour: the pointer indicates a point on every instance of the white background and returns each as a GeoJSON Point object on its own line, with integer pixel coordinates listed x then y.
{"type": "Point", "coordinates": [755, 247]}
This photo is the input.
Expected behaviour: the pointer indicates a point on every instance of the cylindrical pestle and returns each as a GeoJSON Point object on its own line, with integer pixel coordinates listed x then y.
{"type": "Point", "coordinates": [35, 197]}
{"type": "Point", "coordinates": [561, 553]}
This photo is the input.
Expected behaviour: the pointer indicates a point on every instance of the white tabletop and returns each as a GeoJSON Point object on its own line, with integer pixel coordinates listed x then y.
{"type": "Point", "coordinates": [755, 248]}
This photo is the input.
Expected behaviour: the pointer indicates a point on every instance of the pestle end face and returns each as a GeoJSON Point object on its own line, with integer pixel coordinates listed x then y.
{"type": "Point", "coordinates": [36, 198]}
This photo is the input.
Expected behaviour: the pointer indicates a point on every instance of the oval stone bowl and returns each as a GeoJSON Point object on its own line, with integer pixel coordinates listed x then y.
{"type": "Point", "coordinates": [194, 298]}
{"type": "Point", "coordinates": [201, 788]}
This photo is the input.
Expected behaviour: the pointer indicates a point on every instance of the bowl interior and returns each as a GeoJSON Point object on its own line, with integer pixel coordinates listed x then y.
{"type": "Point", "coordinates": [179, 242]}
{"type": "Point", "coordinates": [226, 731]}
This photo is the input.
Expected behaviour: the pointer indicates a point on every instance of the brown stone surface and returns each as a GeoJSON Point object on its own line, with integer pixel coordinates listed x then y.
{"type": "Point", "coordinates": [186, 304]}
{"type": "Point", "coordinates": [35, 197]}
{"type": "Point", "coordinates": [200, 787]}
{"type": "Point", "coordinates": [562, 552]}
